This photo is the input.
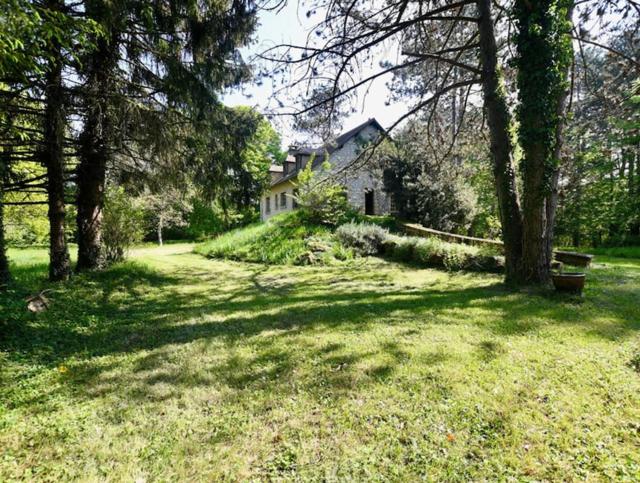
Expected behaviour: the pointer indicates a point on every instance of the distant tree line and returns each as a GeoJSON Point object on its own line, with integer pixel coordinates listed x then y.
{"type": "Point", "coordinates": [600, 182]}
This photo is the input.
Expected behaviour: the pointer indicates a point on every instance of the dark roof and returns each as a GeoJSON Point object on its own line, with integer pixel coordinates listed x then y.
{"type": "Point", "coordinates": [329, 148]}
{"type": "Point", "coordinates": [340, 141]}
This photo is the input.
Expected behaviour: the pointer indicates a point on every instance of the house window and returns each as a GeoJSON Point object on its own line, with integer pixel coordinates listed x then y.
{"type": "Point", "coordinates": [393, 207]}
{"type": "Point", "coordinates": [283, 199]}
{"type": "Point", "coordinates": [298, 162]}
{"type": "Point", "coordinates": [267, 205]}
{"type": "Point", "coordinates": [294, 202]}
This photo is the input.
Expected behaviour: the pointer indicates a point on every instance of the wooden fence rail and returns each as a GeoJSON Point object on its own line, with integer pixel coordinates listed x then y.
{"type": "Point", "coordinates": [570, 258]}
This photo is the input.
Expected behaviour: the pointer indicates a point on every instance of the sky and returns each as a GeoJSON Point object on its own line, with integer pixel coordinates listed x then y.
{"type": "Point", "coordinates": [290, 25]}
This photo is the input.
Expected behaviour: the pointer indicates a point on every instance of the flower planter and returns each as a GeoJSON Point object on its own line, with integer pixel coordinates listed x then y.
{"type": "Point", "coordinates": [569, 282]}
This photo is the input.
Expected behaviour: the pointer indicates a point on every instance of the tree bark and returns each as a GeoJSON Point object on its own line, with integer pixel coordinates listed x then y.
{"type": "Point", "coordinates": [502, 145]}
{"type": "Point", "coordinates": [541, 113]}
{"type": "Point", "coordinates": [52, 157]}
{"type": "Point", "coordinates": [551, 203]}
{"type": "Point", "coordinates": [160, 224]}
{"type": "Point", "coordinates": [95, 152]}
{"type": "Point", "coordinates": [634, 191]}
{"type": "Point", "coordinates": [5, 275]}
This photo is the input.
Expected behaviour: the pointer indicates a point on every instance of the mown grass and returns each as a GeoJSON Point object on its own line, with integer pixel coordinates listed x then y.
{"type": "Point", "coordinates": [173, 367]}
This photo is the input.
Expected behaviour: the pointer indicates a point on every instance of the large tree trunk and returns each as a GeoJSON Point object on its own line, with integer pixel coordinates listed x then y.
{"type": "Point", "coordinates": [52, 157]}
{"type": "Point", "coordinates": [95, 153]}
{"type": "Point", "coordinates": [502, 146]}
{"type": "Point", "coordinates": [544, 57]}
{"type": "Point", "coordinates": [552, 199]}
{"type": "Point", "coordinates": [5, 160]}
{"type": "Point", "coordinates": [5, 276]}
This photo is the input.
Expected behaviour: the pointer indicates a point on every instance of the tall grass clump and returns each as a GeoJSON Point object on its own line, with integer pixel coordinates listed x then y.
{"type": "Point", "coordinates": [285, 239]}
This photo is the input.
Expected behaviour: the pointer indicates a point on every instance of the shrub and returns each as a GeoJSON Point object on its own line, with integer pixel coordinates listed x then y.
{"type": "Point", "coordinates": [364, 238]}
{"type": "Point", "coordinates": [123, 224]}
{"type": "Point", "coordinates": [320, 200]}
{"type": "Point", "coordinates": [431, 252]}
{"type": "Point", "coordinates": [405, 249]}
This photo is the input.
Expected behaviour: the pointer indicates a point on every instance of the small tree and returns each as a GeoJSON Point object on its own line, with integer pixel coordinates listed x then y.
{"type": "Point", "coordinates": [321, 199]}
{"type": "Point", "coordinates": [166, 209]}
{"type": "Point", "coordinates": [427, 189]}
{"type": "Point", "coordinates": [123, 224]}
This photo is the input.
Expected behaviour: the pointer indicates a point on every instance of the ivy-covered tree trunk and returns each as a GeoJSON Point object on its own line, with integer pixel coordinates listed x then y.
{"type": "Point", "coordinates": [52, 156]}
{"type": "Point", "coordinates": [95, 153]}
{"type": "Point", "coordinates": [544, 57]}
{"type": "Point", "coordinates": [502, 145]}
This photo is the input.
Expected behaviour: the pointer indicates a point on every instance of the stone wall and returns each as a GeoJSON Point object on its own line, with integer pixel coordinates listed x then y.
{"type": "Point", "coordinates": [359, 181]}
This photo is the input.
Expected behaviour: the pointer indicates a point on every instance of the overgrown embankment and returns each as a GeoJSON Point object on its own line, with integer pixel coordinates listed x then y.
{"type": "Point", "coordinates": [290, 239]}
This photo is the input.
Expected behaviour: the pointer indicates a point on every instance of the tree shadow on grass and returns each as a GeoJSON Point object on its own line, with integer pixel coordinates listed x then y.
{"type": "Point", "coordinates": [132, 308]}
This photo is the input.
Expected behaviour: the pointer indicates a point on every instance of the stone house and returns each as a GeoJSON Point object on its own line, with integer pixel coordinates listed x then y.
{"type": "Point", "coordinates": [363, 184]}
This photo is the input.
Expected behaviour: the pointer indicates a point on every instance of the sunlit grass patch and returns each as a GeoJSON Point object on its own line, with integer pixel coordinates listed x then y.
{"type": "Point", "coordinates": [177, 367]}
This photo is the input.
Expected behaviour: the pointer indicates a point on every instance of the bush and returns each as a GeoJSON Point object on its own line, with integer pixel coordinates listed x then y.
{"type": "Point", "coordinates": [431, 252]}
{"type": "Point", "coordinates": [123, 224]}
{"type": "Point", "coordinates": [320, 200]}
{"type": "Point", "coordinates": [364, 238]}
{"type": "Point", "coordinates": [405, 249]}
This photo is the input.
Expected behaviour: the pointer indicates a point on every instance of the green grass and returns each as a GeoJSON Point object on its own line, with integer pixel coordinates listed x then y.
{"type": "Point", "coordinates": [284, 239]}
{"type": "Point", "coordinates": [175, 367]}
{"type": "Point", "coordinates": [620, 252]}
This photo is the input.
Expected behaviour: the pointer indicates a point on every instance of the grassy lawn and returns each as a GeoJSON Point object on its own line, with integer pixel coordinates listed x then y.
{"type": "Point", "coordinates": [176, 367]}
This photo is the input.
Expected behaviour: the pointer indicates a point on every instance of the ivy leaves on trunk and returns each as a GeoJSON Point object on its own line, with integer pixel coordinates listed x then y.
{"type": "Point", "coordinates": [544, 56]}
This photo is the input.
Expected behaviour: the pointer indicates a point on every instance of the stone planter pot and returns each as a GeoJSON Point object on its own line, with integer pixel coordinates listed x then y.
{"type": "Point", "coordinates": [569, 282]}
